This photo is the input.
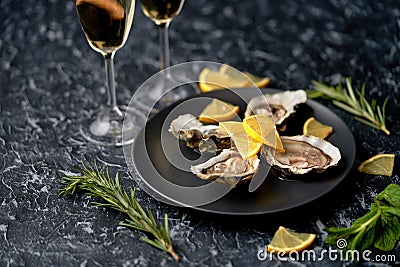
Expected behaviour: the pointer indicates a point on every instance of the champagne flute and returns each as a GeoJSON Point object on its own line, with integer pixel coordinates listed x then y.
{"type": "Point", "coordinates": [161, 12]}
{"type": "Point", "coordinates": [106, 25]}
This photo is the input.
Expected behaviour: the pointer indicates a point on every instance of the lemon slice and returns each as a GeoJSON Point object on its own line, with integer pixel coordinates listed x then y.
{"type": "Point", "coordinates": [246, 146]}
{"type": "Point", "coordinates": [228, 77]}
{"type": "Point", "coordinates": [316, 128]}
{"type": "Point", "coordinates": [227, 70]}
{"type": "Point", "coordinates": [244, 76]}
{"type": "Point", "coordinates": [259, 81]}
{"type": "Point", "coordinates": [286, 240]}
{"type": "Point", "coordinates": [210, 80]}
{"type": "Point", "coordinates": [381, 164]}
{"type": "Point", "coordinates": [262, 128]}
{"type": "Point", "coordinates": [217, 111]}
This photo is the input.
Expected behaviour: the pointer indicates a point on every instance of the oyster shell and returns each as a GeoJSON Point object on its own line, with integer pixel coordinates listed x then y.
{"type": "Point", "coordinates": [229, 166]}
{"type": "Point", "coordinates": [281, 105]}
{"type": "Point", "coordinates": [205, 138]}
{"type": "Point", "coordinates": [303, 154]}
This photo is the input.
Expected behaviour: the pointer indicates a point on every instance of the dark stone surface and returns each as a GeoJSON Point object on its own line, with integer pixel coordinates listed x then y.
{"type": "Point", "coordinates": [49, 77]}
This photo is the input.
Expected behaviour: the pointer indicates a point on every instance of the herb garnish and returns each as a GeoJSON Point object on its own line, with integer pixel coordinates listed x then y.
{"type": "Point", "coordinates": [100, 184]}
{"type": "Point", "coordinates": [353, 101]}
{"type": "Point", "coordinates": [380, 227]}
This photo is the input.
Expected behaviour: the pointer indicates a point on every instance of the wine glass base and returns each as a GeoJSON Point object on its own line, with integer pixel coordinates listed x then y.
{"type": "Point", "coordinates": [112, 127]}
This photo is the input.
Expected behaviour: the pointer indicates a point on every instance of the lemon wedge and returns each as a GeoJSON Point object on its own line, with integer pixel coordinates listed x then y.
{"type": "Point", "coordinates": [316, 128]}
{"type": "Point", "coordinates": [246, 146]}
{"type": "Point", "coordinates": [228, 77]}
{"type": "Point", "coordinates": [218, 111]}
{"type": "Point", "coordinates": [381, 164]}
{"type": "Point", "coordinates": [259, 81]}
{"type": "Point", "coordinates": [261, 128]}
{"type": "Point", "coordinates": [210, 80]}
{"type": "Point", "coordinates": [237, 75]}
{"type": "Point", "coordinates": [286, 240]}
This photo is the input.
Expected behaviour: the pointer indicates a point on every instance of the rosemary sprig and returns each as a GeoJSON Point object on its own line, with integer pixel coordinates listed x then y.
{"type": "Point", "coordinates": [354, 102]}
{"type": "Point", "coordinates": [100, 184]}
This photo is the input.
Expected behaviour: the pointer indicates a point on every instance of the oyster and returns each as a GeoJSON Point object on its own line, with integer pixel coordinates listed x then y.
{"type": "Point", "coordinates": [229, 166]}
{"type": "Point", "coordinates": [303, 154]}
{"type": "Point", "coordinates": [281, 105]}
{"type": "Point", "coordinates": [205, 138]}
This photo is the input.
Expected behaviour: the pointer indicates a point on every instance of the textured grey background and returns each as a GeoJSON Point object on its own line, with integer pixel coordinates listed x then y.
{"type": "Point", "coordinates": [50, 77]}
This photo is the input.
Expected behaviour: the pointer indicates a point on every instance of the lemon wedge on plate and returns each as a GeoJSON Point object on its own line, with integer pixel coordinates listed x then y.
{"type": "Point", "coordinates": [316, 128]}
{"type": "Point", "coordinates": [381, 164]}
{"type": "Point", "coordinates": [286, 240]}
{"type": "Point", "coordinates": [246, 146]}
{"type": "Point", "coordinates": [217, 111]}
{"type": "Point", "coordinates": [261, 128]}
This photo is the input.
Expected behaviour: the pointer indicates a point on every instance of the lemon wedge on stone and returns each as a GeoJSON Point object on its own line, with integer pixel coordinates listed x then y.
{"type": "Point", "coordinates": [210, 80]}
{"type": "Point", "coordinates": [285, 240]}
{"type": "Point", "coordinates": [228, 77]}
{"type": "Point", "coordinates": [238, 75]}
{"type": "Point", "coordinates": [381, 164]}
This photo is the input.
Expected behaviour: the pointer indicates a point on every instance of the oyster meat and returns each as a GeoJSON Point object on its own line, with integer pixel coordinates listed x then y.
{"type": "Point", "coordinates": [303, 154]}
{"type": "Point", "coordinates": [205, 138]}
{"type": "Point", "coordinates": [281, 105]}
{"type": "Point", "coordinates": [227, 168]}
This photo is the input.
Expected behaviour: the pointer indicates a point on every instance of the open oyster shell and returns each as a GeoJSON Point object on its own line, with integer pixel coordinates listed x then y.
{"type": "Point", "coordinates": [303, 154]}
{"type": "Point", "coordinates": [205, 138]}
{"type": "Point", "coordinates": [229, 166]}
{"type": "Point", "coordinates": [281, 105]}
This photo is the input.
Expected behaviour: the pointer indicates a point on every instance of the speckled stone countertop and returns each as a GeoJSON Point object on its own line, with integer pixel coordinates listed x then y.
{"type": "Point", "coordinates": [49, 77]}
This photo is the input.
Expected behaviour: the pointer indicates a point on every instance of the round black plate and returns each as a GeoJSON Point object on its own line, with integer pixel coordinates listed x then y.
{"type": "Point", "coordinates": [274, 195]}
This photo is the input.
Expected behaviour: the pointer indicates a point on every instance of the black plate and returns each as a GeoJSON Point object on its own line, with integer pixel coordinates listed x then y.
{"type": "Point", "coordinates": [274, 195]}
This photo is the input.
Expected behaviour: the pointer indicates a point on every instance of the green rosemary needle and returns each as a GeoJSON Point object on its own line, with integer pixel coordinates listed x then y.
{"type": "Point", "coordinates": [100, 184]}
{"type": "Point", "coordinates": [354, 102]}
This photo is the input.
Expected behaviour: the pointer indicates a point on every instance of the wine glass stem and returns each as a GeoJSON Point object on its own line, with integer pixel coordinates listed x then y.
{"type": "Point", "coordinates": [164, 46]}
{"type": "Point", "coordinates": [111, 92]}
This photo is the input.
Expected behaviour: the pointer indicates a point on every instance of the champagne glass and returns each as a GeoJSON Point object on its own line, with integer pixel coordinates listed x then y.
{"type": "Point", "coordinates": [161, 12]}
{"type": "Point", "coordinates": [106, 25]}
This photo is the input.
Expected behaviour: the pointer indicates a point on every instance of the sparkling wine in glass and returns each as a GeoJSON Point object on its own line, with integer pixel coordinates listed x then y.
{"type": "Point", "coordinates": [106, 24]}
{"type": "Point", "coordinates": [161, 12]}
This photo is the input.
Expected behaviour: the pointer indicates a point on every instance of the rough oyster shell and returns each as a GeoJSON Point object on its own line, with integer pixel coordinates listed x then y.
{"type": "Point", "coordinates": [205, 138]}
{"type": "Point", "coordinates": [282, 105]}
{"type": "Point", "coordinates": [229, 166]}
{"type": "Point", "coordinates": [303, 154]}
